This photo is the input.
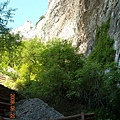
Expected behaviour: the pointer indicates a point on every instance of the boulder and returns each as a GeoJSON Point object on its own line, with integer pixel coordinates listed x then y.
{"type": "Point", "coordinates": [35, 109]}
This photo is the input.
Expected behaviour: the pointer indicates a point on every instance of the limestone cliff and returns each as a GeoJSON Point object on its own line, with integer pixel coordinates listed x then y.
{"type": "Point", "coordinates": [92, 13]}
{"type": "Point", "coordinates": [77, 20]}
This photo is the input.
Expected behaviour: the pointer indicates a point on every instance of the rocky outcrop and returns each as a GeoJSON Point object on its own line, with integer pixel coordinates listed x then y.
{"type": "Point", "coordinates": [59, 22]}
{"type": "Point", "coordinates": [77, 20]}
{"type": "Point", "coordinates": [26, 31]}
{"type": "Point", "coordinates": [93, 13]}
{"type": "Point", "coordinates": [35, 109]}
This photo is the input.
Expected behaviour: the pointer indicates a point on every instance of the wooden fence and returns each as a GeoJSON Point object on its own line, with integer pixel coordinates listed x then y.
{"type": "Point", "coordinates": [2, 78]}
{"type": "Point", "coordinates": [82, 116]}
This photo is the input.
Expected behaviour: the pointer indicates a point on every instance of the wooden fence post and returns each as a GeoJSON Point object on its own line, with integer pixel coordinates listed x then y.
{"type": "Point", "coordinates": [82, 116]}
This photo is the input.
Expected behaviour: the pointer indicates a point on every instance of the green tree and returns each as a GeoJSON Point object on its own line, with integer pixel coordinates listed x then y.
{"type": "Point", "coordinates": [59, 62]}
{"type": "Point", "coordinates": [29, 62]}
{"type": "Point", "coordinates": [6, 15]}
{"type": "Point", "coordinates": [9, 43]}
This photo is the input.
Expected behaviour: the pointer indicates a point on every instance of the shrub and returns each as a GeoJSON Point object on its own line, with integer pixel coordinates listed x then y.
{"type": "Point", "coordinates": [59, 62]}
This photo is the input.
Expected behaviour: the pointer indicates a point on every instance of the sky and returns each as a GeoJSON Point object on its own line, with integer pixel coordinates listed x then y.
{"type": "Point", "coordinates": [27, 10]}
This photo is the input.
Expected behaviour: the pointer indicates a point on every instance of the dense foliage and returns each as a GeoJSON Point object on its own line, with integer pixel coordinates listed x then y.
{"type": "Point", "coordinates": [56, 73]}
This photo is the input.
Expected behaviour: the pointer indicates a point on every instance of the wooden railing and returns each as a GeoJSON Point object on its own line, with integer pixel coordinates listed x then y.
{"type": "Point", "coordinates": [82, 116]}
{"type": "Point", "coordinates": [2, 78]}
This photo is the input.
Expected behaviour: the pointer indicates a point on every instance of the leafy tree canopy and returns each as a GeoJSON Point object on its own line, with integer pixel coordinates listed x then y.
{"type": "Point", "coordinates": [8, 41]}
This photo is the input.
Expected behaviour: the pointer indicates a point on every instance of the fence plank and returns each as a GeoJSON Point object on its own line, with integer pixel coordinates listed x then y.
{"type": "Point", "coordinates": [81, 116]}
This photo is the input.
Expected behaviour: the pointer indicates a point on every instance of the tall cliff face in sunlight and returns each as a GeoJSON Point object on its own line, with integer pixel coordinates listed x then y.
{"type": "Point", "coordinates": [59, 20]}
{"type": "Point", "coordinates": [77, 20]}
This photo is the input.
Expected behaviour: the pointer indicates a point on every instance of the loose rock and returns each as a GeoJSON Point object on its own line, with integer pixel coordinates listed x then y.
{"type": "Point", "coordinates": [35, 109]}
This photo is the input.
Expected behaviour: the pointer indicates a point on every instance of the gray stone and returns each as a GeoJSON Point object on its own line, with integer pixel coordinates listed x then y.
{"type": "Point", "coordinates": [35, 109]}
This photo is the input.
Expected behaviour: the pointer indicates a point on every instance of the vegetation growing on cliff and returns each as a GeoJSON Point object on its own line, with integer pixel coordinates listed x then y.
{"type": "Point", "coordinates": [41, 17]}
{"type": "Point", "coordinates": [104, 55]}
{"type": "Point", "coordinates": [103, 52]}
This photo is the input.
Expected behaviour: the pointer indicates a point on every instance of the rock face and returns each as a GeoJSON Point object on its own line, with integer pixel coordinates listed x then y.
{"type": "Point", "coordinates": [35, 109]}
{"type": "Point", "coordinates": [114, 30]}
{"type": "Point", "coordinates": [26, 31]}
{"type": "Point", "coordinates": [77, 20]}
{"type": "Point", "coordinates": [93, 13]}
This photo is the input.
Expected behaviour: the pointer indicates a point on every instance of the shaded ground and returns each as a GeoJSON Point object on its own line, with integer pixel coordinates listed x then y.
{"type": "Point", "coordinates": [5, 94]}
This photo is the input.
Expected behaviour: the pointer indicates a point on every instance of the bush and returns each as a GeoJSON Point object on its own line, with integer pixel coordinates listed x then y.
{"type": "Point", "coordinates": [59, 64]}
{"type": "Point", "coordinates": [90, 82]}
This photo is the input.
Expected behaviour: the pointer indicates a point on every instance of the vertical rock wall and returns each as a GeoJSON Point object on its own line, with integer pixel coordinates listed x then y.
{"type": "Point", "coordinates": [59, 20]}
{"type": "Point", "coordinates": [78, 19]}
{"type": "Point", "coordinates": [93, 13]}
{"type": "Point", "coordinates": [114, 30]}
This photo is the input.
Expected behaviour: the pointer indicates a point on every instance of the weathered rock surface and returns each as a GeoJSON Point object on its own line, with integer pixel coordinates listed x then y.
{"type": "Point", "coordinates": [35, 109]}
{"type": "Point", "coordinates": [93, 13]}
{"type": "Point", "coordinates": [78, 20]}
{"type": "Point", "coordinates": [114, 30]}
